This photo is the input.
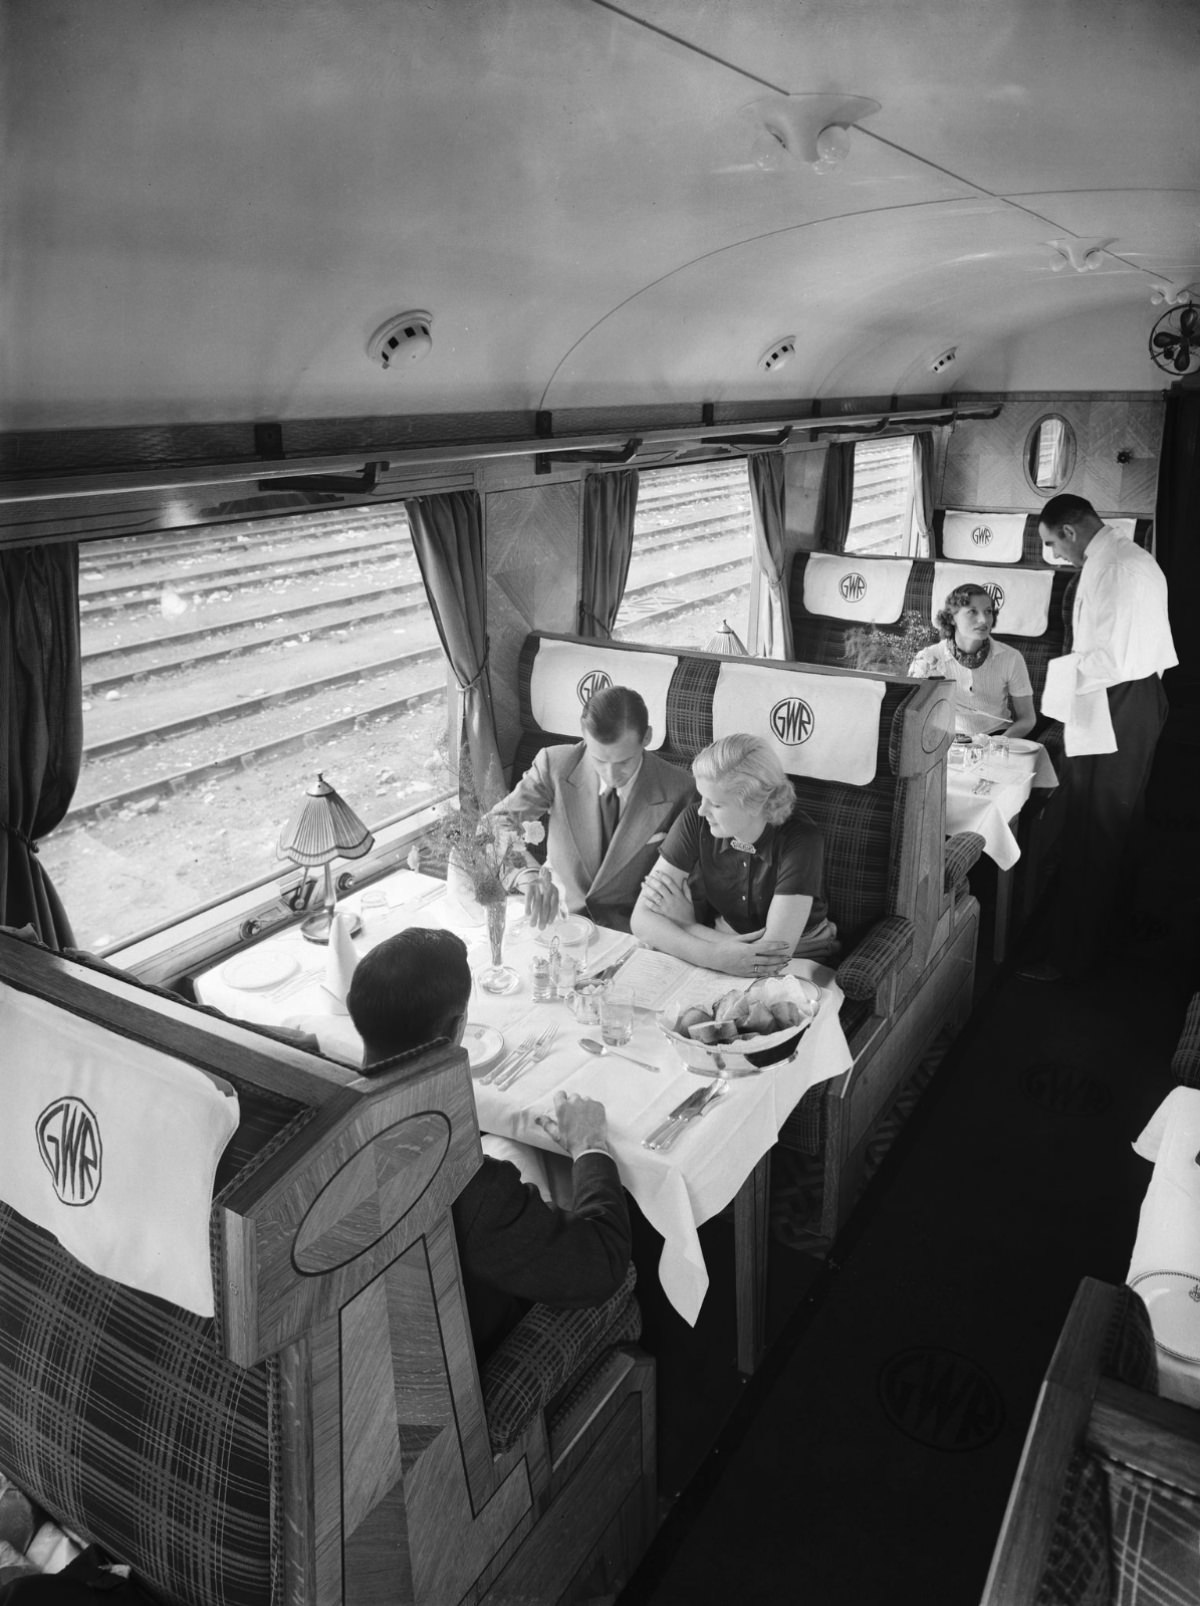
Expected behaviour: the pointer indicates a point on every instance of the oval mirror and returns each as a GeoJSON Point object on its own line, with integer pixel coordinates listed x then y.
{"type": "Point", "coordinates": [1050, 454]}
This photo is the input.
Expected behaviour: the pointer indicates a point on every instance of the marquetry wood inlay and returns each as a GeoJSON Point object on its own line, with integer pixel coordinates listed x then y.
{"type": "Point", "coordinates": [371, 1193]}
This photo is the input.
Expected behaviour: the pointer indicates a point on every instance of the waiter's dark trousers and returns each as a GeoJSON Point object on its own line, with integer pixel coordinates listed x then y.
{"type": "Point", "coordinates": [1104, 807]}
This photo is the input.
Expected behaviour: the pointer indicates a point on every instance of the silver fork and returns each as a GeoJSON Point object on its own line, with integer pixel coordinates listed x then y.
{"type": "Point", "coordinates": [672, 1137]}
{"type": "Point", "coordinates": [506, 1062]}
{"type": "Point", "coordinates": [539, 1051]}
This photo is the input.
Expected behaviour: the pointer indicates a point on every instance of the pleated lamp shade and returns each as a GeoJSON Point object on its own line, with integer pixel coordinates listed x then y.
{"type": "Point", "coordinates": [323, 828]}
{"type": "Point", "coordinates": [726, 640]}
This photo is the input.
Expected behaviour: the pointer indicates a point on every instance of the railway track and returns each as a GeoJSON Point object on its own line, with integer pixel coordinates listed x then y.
{"type": "Point", "coordinates": [193, 776]}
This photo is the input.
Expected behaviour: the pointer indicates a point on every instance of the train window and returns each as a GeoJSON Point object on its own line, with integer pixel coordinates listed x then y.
{"type": "Point", "coordinates": [883, 520]}
{"type": "Point", "coordinates": [1050, 453]}
{"type": "Point", "coordinates": [222, 668]}
{"type": "Point", "coordinates": [690, 570]}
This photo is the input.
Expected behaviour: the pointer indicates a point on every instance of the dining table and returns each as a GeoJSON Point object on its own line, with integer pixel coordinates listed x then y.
{"type": "Point", "coordinates": [1164, 1268]}
{"type": "Point", "coordinates": [988, 783]}
{"type": "Point", "coordinates": [719, 1158]}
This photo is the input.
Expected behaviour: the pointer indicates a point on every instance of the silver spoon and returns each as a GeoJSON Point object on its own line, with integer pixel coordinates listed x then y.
{"type": "Point", "coordinates": [593, 1047]}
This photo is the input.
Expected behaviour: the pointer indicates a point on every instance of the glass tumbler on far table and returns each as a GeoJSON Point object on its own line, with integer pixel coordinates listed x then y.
{"type": "Point", "coordinates": [616, 1015]}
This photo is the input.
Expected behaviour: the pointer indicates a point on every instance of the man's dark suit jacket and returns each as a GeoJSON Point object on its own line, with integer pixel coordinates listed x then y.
{"type": "Point", "coordinates": [516, 1249]}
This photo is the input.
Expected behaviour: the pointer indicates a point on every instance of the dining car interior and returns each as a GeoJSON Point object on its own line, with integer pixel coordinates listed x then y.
{"type": "Point", "coordinates": [440, 440]}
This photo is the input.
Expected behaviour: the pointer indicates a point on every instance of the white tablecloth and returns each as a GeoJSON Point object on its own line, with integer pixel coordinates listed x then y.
{"type": "Point", "coordinates": [1165, 1266]}
{"type": "Point", "coordinates": [677, 1191]}
{"type": "Point", "coordinates": [988, 809]}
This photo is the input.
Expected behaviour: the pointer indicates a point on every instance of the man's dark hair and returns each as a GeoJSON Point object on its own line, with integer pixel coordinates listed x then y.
{"type": "Point", "coordinates": [408, 989]}
{"type": "Point", "coordinates": [1066, 509]}
{"type": "Point", "coordinates": [608, 714]}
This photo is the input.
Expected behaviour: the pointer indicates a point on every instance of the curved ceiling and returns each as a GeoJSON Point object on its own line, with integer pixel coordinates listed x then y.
{"type": "Point", "coordinates": [209, 207]}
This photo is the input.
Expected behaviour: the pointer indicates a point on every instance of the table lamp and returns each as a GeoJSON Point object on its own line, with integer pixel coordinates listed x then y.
{"type": "Point", "coordinates": [324, 828]}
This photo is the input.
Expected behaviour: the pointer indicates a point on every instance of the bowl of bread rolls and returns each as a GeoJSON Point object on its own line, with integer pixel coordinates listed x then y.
{"type": "Point", "coordinates": [743, 1029]}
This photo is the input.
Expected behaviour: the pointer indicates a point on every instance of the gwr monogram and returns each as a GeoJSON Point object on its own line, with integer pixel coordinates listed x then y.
{"type": "Point", "coordinates": [595, 680]}
{"type": "Point", "coordinates": [792, 721]}
{"type": "Point", "coordinates": [981, 535]}
{"type": "Point", "coordinates": [853, 586]}
{"type": "Point", "coordinates": [996, 593]}
{"type": "Point", "coordinates": [68, 1140]}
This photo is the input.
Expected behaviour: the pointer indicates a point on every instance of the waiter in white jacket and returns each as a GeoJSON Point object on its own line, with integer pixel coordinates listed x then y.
{"type": "Point", "coordinates": [1108, 693]}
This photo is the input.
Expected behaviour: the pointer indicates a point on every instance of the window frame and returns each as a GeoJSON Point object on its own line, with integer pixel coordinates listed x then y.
{"type": "Point", "coordinates": [913, 544]}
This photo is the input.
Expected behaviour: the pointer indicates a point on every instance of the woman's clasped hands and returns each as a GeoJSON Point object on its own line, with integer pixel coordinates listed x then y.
{"type": "Point", "coordinates": [750, 953]}
{"type": "Point", "coordinates": [666, 897]}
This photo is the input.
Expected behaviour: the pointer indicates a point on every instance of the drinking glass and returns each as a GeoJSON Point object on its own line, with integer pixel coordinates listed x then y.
{"type": "Point", "coordinates": [616, 1015]}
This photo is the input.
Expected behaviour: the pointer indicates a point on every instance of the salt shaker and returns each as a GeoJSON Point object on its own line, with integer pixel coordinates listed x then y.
{"type": "Point", "coordinates": [542, 989]}
{"type": "Point", "coordinates": [555, 965]}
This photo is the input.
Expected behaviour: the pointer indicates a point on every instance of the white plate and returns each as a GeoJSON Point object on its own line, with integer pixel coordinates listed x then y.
{"type": "Point", "coordinates": [252, 972]}
{"type": "Point", "coordinates": [484, 1046]}
{"type": "Point", "coordinates": [1018, 744]}
{"type": "Point", "coordinates": [572, 931]}
{"type": "Point", "coordinates": [1173, 1301]}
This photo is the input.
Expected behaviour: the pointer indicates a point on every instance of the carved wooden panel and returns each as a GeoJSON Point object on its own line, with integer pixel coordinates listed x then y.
{"type": "Point", "coordinates": [984, 462]}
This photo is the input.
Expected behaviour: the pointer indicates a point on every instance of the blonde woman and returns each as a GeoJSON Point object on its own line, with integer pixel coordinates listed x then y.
{"type": "Point", "coordinates": [751, 862]}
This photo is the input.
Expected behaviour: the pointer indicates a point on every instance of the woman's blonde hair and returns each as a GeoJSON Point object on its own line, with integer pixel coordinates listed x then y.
{"type": "Point", "coordinates": [750, 767]}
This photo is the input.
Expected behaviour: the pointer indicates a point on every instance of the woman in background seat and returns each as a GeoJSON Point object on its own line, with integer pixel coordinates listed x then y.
{"type": "Point", "coordinates": [738, 883]}
{"type": "Point", "coordinates": [995, 695]}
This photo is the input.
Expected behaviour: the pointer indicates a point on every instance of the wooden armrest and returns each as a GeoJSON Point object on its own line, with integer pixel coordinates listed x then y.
{"type": "Point", "coordinates": [1150, 1434]}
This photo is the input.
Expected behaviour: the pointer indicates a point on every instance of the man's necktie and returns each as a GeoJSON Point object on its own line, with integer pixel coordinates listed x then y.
{"type": "Point", "coordinates": [1068, 611]}
{"type": "Point", "coordinates": [610, 813]}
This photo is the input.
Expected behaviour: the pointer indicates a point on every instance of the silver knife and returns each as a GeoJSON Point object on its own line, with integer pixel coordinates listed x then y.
{"type": "Point", "coordinates": [609, 971]}
{"type": "Point", "coordinates": [681, 1112]}
{"type": "Point", "coordinates": [673, 1132]}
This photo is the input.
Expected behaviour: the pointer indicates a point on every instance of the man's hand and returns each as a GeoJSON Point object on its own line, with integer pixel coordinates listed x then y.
{"type": "Point", "coordinates": [541, 899]}
{"type": "Point", "coordinates": [750, 954]}
{"type": "Point", "coordinates": [577, 1123]}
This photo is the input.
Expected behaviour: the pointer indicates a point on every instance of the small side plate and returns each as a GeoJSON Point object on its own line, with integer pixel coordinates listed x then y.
{"type": "Point", "coordinates": [253, 972]}
{"type": "Point", "coordinates": [570, 932]}
{"type": "Point", "coordinates": [484, 1046]}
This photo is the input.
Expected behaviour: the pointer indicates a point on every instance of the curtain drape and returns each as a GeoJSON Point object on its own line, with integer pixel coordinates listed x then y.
{"type": "Point", "coordinates": [41, 727]}
{"type": "Point", "coordinates": [447, 536]}
{"type": "Point", "coordinates": [837, 497]}
{"type": "Point", "coordinates": [766, 471]}
{"type": "Point", "coordinates": [926, 495]}
{"type": "Point", "coordinates": [1175, 545]}
{"type": "Point", "coordinates": [609, 504]}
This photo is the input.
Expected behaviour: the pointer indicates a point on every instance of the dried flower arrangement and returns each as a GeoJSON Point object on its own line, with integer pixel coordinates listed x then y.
{"type": "Point", "coordinates": [889, 650]}
{"type": "Point", "coordinates": [486, 847]}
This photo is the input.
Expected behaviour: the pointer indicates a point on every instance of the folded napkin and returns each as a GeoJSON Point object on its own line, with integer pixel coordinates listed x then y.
{"type": "Point", "coordinates": [340, 961]}
{"type": "Point", "coordinates": [1165, 1265]}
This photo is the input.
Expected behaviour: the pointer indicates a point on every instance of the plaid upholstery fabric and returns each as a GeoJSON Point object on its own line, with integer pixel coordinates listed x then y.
{"type": "Point", "coordinates": [689, 706]}
{"type": "Point", "coordinates": [1185, 1062]}
{"type": "Point", "coordinates": [546, 1352]}
{"type": "Point", "coordinates": [888, 944]}
{"type": "Point", "coordinates": [1077, 1571]}
{"type": "Point", "coordinates": [962, 852]}
{"type": "Point", "coordinates": [857, 825]}
{"type": "Point", "coordinates": [119, 1416]}
{"type": "Point", "coordinates": [804, 1129]}
{"type": "Point", "coordinates": [1155, 1555]}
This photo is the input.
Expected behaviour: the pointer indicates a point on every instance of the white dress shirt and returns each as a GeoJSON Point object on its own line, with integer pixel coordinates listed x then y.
{"type": "Point", "coordinates": [1122, 631]}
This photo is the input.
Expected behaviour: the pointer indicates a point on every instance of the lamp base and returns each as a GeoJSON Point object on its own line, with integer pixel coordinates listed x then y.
{"type": "Point", "coordinates": [318, 926]}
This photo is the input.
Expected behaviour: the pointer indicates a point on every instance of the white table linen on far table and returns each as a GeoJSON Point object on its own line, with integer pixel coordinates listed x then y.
{"type": "Point", "coordinates": [676, 1191]}
{"type": "Point", "coordinates": [1165, 1265]}
{"type": "Point", "coordinates": [988, 811]}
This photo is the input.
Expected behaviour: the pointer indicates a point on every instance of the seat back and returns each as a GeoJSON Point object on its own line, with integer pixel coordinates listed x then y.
{"type": "Point", "coordinates": [323, 1438]}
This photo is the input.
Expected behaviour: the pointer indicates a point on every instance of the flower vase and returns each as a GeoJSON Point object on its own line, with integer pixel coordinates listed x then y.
{"type": "Point", "coordinates": [462, 890]}
{"type": "Point", "coordinates": [498, 977]}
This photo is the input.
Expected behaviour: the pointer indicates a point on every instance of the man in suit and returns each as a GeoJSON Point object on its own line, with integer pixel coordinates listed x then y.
{"type": "Point", "coordinates": [1108, 692]}
{"type": "Point", "coordinates": [610, 803]}
{"type": "Point", "coordinates": [514, 1248]}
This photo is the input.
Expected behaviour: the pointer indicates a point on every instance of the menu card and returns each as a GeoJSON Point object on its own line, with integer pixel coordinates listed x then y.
{"type": "Point", "coordinates": [661, 979]}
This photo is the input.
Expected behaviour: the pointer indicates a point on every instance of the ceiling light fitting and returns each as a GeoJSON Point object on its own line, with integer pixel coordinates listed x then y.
{"type": "Point", "coordinates": [1085, 256]}
{"type": "Point", "coordinates": [401, 340]}
{"type": "Point", "coordinates": [813, 129]}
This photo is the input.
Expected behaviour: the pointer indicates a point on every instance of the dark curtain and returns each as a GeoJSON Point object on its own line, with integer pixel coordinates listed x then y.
{"type": "Point", "coordinates": [447, 536]}
{"type": "Point", "coordinates": [767, 495]}
{"type": "Point", "coordinates": [41, 726]}
{"type": "Point", "coordinates": [609, 504]}
{"type": "Point", "coordinates": [837, 498]}
{"type": "Point", "coordinates": [1175, 532]}
{"type": "Point", "coordinates": [926, 495]}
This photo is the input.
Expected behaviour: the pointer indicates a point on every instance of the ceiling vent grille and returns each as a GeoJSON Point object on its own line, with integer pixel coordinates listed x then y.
{"type": "Point", "coordinates": [943, 361]}
{"type": "Point", "coordinates": [778, 353]}
{"type": "Point", "coordinates": [401, 340]}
